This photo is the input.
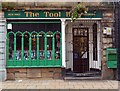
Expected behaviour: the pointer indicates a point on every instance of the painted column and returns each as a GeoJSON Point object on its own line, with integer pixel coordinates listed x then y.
{"type": "Point", "coordinates": [63, 43]}
{"type": "Point", "coordinates": [99, 45]}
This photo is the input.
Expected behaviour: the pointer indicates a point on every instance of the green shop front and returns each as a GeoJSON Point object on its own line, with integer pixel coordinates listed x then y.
{"type": "Point", "coordinates": [36, 43]}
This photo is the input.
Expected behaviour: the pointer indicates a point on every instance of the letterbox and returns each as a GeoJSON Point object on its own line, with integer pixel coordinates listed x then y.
{"type": "Point", "coordinates": [111, 57]}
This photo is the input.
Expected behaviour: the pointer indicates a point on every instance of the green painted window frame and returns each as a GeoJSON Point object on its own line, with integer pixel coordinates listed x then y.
{"type": "Point", "coordinates": [37, 62]}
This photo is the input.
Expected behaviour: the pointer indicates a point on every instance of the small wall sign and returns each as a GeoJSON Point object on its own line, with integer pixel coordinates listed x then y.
{"type": "Point", "coordinates": [9, 26]}
{"type": "Point", "coordinates": [107, 30]}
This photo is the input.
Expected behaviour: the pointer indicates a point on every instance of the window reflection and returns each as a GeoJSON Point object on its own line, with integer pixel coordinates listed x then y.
{"type": "Point", "coordinates": [57, 46]}
{"type": "Point", "coordinates": [18, 46]}
{"type": "Point", "coordinates": [49, 46]}
{"type": "Point", "coordinates": [41, 46]}
{"type": "Point", "coordinates": [34, 46]}
{"type": "Point", "coordinates": [11, 46]}
{"type": "Point", "coordinates": [26, 46]}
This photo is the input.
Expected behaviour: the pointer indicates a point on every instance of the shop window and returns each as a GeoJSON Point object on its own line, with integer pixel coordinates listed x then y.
{"type": "Point", "coordinates": [26, 46]}
{"type": "Point", "coordinates": [41, 46]}
{"type": "Point", "coordinates": [57, 46]}
{"type": "Point", "coordinates": [18, 46]}
{"type": "Point", "coordinates": [49, 45]}
{"type": "Point", "coordinates": [11, 46]}
{"type": "Point", "coordinates": [34, 46]}
{"type": "Point", "coordinates": [27, 41]}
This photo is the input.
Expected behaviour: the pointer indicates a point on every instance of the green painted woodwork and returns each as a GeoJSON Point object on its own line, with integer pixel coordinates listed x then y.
{"type": "Point", "coordinates": [111, 57]}
{"type": "Point", "coordinates": [23, 62]}
{"type": "Point", "coordinates": [49, 14]}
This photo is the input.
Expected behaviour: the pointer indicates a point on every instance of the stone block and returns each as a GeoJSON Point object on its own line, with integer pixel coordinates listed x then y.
{"type": "Point", "coordinates": [20, 75]}
{"type": "Point", "coordinates": [107, 40]}
{"type": "Point", "coordinates": [104, 52]}
{"type": "Point", "coordinates": [57, 76]}
{"type": "Point", "coordinates": [57, 70]}
{"type": "Point", "coordinates": [10, 76]}
{"type": "Point", "coordinates": [107, 45]}
{"type": "Point", "coordinates": [107, 74]}
{"type": "Point", "coordinates": [44, 70]}
{"type": "Point", "coordinates": [47, 74]}
{"type": "Point", "coordinates": [34, 72]}
{"type": "Point", "coordinates": [11, 70]}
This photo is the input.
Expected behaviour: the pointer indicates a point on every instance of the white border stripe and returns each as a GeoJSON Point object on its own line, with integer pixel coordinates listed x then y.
{"type": "Point", "coordinates": [55, 18]}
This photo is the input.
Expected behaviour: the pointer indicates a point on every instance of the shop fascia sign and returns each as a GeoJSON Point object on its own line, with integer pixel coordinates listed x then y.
{"type": "Point", "coordinates": [48, 14]}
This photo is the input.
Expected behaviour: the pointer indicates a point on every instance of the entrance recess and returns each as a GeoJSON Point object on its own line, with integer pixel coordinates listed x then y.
{"type": "Point", "coordinates": [80, 50]}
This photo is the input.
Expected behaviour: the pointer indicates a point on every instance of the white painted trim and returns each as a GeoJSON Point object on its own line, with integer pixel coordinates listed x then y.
{"type": "Point", "coordinates": [53, 18]}
{"type": "Point", "coordinates": [90, 46]}
{"type": "Point", "coordinates": [96, 63]}
{"type": "Point", "coordinates": [63, 43]}
{"type": "Point", "coordinates": [2, 70]}
{"type": "Point", "coordinates": [99, 45]}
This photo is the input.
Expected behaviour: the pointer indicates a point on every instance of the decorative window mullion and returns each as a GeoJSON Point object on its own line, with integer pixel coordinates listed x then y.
{"type": "Point", "coordinates": [30, 49]}
{"type": "Point", "coordinates": [14, 49]}
{"type": "Point", "coordinates": [53, 48]}
{"type": "Point", "coordinates": [22, 49]}
{"type": "Point", "coordinates": [45, 46]}
{"type": "Point", "coordinates": [61, 48]}
{"type": "Point", "coordinates": [37, 46]}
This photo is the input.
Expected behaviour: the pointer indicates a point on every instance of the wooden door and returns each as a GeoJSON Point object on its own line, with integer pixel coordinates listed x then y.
{"type": "Point", "coordinates": [80, 50]}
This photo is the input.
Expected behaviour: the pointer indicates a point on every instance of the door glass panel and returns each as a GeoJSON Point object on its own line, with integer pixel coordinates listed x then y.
{"type": "Point", "coordinates": [34, 46]}
{"type": "Point", "coordinates": [49, 46]}
{"type": "Point", "coordinates": [11, 46]}
{"type": "Point", "coordinates": [80, 43]}
{"type": "Point", "coordinates": [18, 46]}
{"type": "Point", "coordinates": [57, 46]}
{"type": "Point", "coordinates": [80, 50]}
{"type": "Point", "coordinates": [26, 46]}
{"type": "Point", "coordinates": [41, 46]}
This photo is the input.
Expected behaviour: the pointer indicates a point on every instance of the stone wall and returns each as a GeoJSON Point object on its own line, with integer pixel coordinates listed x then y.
{"type": "Point", "coordinates": [107, 41]}
{"type": "Point", "coordinates": [2, 47]}
{"type": "Point", "coordinates": [34, 73]}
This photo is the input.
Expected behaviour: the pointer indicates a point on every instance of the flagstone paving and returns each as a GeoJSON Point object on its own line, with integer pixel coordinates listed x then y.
{"type": "Point", "coordinates": [60, 84]}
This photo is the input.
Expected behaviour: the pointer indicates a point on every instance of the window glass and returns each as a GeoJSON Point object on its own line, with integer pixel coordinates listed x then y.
{"type": "Point", "coordinates": [18, 46]}
{"type": "Point", "coordinates": [26, 46]}
{"type": "Point", "coordinates": [57, 46]}
{"type": "Point", "coordinates": [11, 46]}
{"type": "Point", "coordinates": [49, 46]}
{"type": "Point", "coordinates": [34, 46]}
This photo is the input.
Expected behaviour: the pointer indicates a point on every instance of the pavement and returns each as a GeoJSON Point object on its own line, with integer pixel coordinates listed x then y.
{"type": "Point", "coordinates": [60, 84]}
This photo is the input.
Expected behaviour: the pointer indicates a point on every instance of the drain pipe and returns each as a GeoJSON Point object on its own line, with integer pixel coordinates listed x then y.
{"type": "Point", "coordinates": [117, 32]}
